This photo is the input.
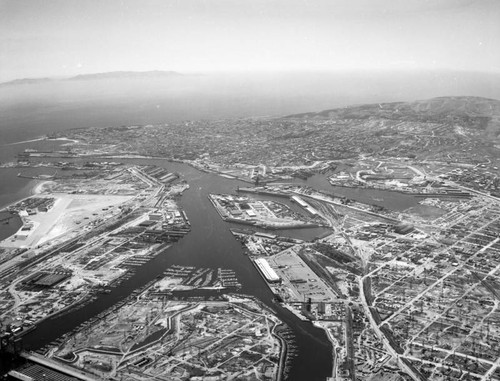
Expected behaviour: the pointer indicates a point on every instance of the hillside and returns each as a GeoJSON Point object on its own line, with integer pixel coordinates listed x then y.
{"type": "Point", "coordinates": [479, 116]}
{"type": "Point", "coordinates": [440, 106]}
{"type": "Point", "coordinates": [458, 129]}
{"type": "Point", "coordinates": [481, 113]}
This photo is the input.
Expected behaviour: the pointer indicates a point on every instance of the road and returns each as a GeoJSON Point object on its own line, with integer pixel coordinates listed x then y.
{"type": "Point", "coordinates": [381, 335]}
{"type": "Point", "coordinates": [81, 375]}
{"type": "Point", "coordinates": [408, 304]}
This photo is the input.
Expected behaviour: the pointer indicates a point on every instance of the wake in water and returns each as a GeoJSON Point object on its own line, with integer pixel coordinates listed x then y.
{"type": "Point", "coordinates": [26, 141]}
{"type": "Point", "coordinates": [40, 139]}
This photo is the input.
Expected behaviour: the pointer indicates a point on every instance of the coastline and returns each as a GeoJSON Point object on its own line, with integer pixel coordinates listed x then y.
{"type": "Point", "coordinates": [41, 138]}
{"type": "Point", "coordinates": [39, 186]}
{"type": "Point", "coordinates": [35, 189]}
{"type": "Point", "coordinates": [49, 328]}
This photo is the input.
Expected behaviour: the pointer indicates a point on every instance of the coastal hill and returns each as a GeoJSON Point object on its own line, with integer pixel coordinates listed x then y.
{"type": "Point", "coordinates": [97, 76]}
{"type": "Point", "coordinates": [458, 129]}
{"type": "Point", "coordinates": [434, 107]}
{"type": "Point", "coordinates": [475, 113]}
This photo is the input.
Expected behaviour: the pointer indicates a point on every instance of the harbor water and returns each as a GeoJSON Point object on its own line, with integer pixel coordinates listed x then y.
{"type": "Point", "coordinates": [210, 244]}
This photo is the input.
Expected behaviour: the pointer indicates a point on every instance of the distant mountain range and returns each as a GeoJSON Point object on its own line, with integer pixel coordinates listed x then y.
{"type": "Point", "coordinates": [97, 76]}
{"type": "Point", "coordinates": [26, 81]}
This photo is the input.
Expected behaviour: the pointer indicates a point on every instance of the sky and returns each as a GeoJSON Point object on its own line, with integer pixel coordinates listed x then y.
{"type": "Point", "coordinates": [67, 37]}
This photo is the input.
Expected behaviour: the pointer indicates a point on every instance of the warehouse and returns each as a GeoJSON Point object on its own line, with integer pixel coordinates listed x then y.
{"type": "Point", "coordinates": [266, 270]}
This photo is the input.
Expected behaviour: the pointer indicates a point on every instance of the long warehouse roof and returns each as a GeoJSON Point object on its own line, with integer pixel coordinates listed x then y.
{"type": "Point", "coordinates": [268, 272]}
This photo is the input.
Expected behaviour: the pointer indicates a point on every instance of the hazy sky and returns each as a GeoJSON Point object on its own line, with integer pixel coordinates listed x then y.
{"type": "Point", "coordinates": [66, 37]}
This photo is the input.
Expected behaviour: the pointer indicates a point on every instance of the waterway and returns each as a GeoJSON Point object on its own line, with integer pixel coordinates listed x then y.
{"type": "Point", "coordinates": [388, 199]}
{"type": "Point", "coordinates": [210, 244]}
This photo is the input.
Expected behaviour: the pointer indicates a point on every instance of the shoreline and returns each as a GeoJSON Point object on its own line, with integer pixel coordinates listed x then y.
{"type": "Point", "coordinates": [39, 139]}
{"type": "Point", "coordinates": [38, 188]}
{"type": "Point", "coordinates": [34, 190]}
{"type": "Point", "coordinates": [44, 327]}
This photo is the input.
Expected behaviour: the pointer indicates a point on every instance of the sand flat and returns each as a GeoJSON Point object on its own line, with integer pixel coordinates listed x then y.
{"type": "Point", "coordinates": [69, 212]}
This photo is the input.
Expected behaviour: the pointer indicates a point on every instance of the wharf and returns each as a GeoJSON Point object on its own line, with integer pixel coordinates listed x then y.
{"type": "Point", "coordinates": [261, 191]}
{"type": "Point", "coordinates": [79, 374]}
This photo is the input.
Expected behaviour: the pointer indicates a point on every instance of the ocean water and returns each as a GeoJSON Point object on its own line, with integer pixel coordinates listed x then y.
{"type": "Point", "coordinates": [14, 188]}
{"type": "Point", "coordinates": [31, 111]}
{"type": "Point", "coordinates": [28, 111]}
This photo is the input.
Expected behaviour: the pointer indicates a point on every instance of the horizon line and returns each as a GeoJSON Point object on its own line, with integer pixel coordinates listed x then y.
{"type": "Point", "coordinates": [56, 77]}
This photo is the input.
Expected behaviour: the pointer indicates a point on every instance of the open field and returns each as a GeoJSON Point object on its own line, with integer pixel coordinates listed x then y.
{"type": "Point", "coordinates": [68, 212]}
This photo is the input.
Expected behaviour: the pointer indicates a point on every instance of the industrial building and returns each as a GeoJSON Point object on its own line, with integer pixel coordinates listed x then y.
{"type": "Point", "coordinates": [157, 216]}
{"type": "Point", "coordinates": [266, 270]}
{"type": "Point", "coordinates": [299, 201]}
{"type": "Point", "coordinates": [305, 205]}
{"type": "Point", "coordinates": [404, 228]}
